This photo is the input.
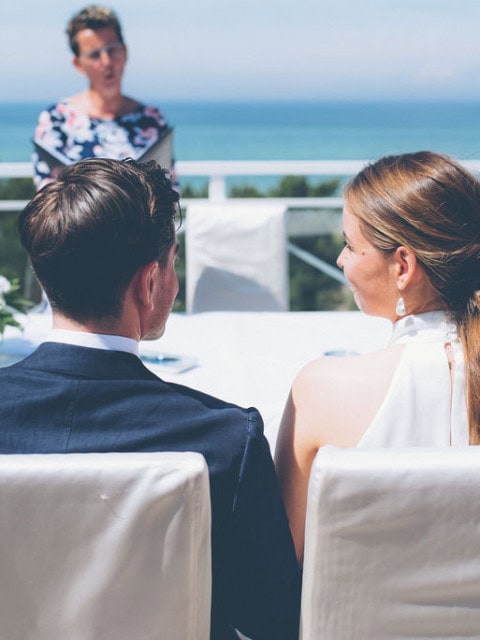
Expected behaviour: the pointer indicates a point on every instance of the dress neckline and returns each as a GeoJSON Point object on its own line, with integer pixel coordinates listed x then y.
{"type": "Point", "coordinates": [75, 111]}
{"type": "Point", "coordinates": [430, 326]}
{"type": "Point", "coordinates": [425, 335]}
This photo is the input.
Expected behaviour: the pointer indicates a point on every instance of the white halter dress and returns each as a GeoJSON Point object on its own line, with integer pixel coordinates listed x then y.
{"type": "Point", "coordinates": [423, 406]}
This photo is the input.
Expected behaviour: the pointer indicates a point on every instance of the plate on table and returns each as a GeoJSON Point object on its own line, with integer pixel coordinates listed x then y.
{"type": "Point", "coordinates": [172, 362]}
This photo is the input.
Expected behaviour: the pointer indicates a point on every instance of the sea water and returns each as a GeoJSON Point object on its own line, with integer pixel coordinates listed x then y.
{"type": "Point", "coordinates": [289, 130]}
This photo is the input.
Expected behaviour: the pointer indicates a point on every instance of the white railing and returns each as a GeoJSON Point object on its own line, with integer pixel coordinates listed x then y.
{"type": "Point", "coordinates": [218, 171]}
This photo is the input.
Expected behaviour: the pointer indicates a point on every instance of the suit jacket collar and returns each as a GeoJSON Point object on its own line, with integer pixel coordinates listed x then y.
{"type": "Point", "coordinates": [86, 362]}
{"type": "Point", "coordinates": [94, 340]}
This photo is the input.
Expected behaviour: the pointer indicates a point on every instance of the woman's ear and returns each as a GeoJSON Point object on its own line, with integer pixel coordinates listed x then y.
{"type": "Point", "coordinates": [406, 267]}
{"type": "Point", "coordinates": [77, 63]}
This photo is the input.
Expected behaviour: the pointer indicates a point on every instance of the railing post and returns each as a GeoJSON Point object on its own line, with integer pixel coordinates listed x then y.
{"type": "Point", "coordinates": [216, 189]}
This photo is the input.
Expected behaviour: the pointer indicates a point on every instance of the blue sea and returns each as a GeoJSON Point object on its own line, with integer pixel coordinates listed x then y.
{"type": "Point", "coordinates": [289, 130]}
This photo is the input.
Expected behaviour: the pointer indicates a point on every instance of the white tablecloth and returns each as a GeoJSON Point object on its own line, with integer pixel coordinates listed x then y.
{"type": "Point", "coordinates": [243, 357]}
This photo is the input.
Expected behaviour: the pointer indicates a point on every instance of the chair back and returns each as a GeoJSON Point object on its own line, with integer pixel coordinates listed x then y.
{"type": "Point", "coordinates": [392, 545]}
{"type": "Point", "coordinates": [236, 257]}
{"type": "Point", "coordinates": [108, 546]}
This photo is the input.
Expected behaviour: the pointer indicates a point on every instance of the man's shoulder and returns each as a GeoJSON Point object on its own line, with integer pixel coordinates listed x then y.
{"type": "Point", "coordinates": [124, 378]}
{"type": "Point", "coordinates": [248, 417]}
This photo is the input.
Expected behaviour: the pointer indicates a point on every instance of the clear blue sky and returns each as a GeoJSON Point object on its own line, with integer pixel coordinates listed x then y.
{"type": "Point", "coordinates": [257, 49]}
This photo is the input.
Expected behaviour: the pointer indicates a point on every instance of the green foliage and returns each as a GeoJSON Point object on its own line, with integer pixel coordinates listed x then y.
{"type": "Point", "coordinates": [311, 290]}
{"type": "Point", "coordinates": [245, 191]}
{"type": "Point", "coordinates": [12, 255]}
{"type": "Point", "coordinates": [190, 191]}
{"type": "Point", "coordinates": [13, 260]}
{"type": "Point", "coordinates": [180, 301]}
{"type": "Point", "coordinates": [11, 301]}
{"type": "Point", "coordinates": [288, 186]}
{"type": "Point", "coordinates": [17, 189]}
{"type": "Point", "coordinates": [291, 186]}
{"type": "Point", "coordinates": [325, 188]}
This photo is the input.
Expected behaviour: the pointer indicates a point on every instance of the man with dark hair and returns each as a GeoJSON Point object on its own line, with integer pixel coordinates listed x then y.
{"type": "Point", "coordinates": [102, 243]}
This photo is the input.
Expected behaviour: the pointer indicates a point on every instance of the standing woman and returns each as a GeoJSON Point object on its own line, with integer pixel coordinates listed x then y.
{"type": "Point", "coordinates": [412, 255]}
{"type": "Point", "coordinates": [100, 121]}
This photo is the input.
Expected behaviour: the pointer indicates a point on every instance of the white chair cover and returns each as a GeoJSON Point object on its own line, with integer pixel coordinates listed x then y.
{"type": "Point", "coordinates": [392, 545]}
{"type": "Point", "coordinates": [236, 257]}
{"type": "Point", "coordinates": [105, 547]}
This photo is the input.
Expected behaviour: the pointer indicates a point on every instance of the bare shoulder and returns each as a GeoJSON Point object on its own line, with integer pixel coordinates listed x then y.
{"type": "Point", "coordinates": [343, 394]}
{"type": "Point", "coordinates": [79, 102]}
{"type": "Point", "coordinates": [76, 100]}
{"type": "Point", "coordinates": [351, 371]}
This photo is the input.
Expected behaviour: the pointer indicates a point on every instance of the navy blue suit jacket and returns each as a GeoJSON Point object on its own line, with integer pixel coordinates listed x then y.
{"type": "Point", "coordinates": [68, 399]}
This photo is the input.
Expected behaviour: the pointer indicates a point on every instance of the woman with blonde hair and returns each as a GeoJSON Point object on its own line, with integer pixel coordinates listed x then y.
{"type": "Point", "coordinates": [412, 255]}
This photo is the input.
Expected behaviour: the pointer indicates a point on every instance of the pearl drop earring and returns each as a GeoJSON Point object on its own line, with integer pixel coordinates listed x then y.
{"type": "Point", "coordinates": [400, 309]}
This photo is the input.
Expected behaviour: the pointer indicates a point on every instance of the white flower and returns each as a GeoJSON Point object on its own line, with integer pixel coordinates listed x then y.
{"type": "Point", "coordinates": [11, 303]}
{"type": "Point", "coordinates": [5, 285]}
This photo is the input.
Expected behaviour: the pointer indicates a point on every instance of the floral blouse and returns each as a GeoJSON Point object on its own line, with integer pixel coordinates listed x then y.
{"type": "Point", "coordinates": [76, 135]}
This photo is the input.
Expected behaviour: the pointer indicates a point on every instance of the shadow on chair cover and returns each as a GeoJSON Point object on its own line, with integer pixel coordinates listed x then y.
{"type": "Point", "coordinates": [237, 257]}
{"type": "Point", "coordinates": [237, 293]}
{"type": "Point", "coordinates": [392, 545]}
{"type": "Point", "coordinates": [105, 547]}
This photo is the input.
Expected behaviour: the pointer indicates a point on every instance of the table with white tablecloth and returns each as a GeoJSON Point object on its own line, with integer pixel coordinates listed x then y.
{"type": "Point", "coordinates": [249, 358]}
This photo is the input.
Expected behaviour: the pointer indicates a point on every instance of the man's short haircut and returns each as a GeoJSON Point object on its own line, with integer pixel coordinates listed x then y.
{"type": "Point", "coordinates": [92, 17]}
{"type": "Point", "coordinates": [89, 232]}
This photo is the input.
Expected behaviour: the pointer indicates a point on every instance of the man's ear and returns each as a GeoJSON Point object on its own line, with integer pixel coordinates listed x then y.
{"type": "Point", "coordinates": [145, 284]}
{"type": "Point", "coordinates": [406, 267]}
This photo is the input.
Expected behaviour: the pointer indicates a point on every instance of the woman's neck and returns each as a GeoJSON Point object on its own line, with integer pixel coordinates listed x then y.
{"type": "Point", "coordinates": [421, 300]}
{"type": "Point", "coordinates": [97, 106]}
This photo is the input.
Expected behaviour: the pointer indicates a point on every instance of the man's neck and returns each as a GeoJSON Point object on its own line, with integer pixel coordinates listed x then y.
{"type": "Point", "coordinates": [94, 340]}
{"type": "Point", "coordinates": [98, 327]}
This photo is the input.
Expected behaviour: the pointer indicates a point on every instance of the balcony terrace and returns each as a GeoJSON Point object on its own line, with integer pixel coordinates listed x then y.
{"type": "Point", "coordinates": [312, 216]}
